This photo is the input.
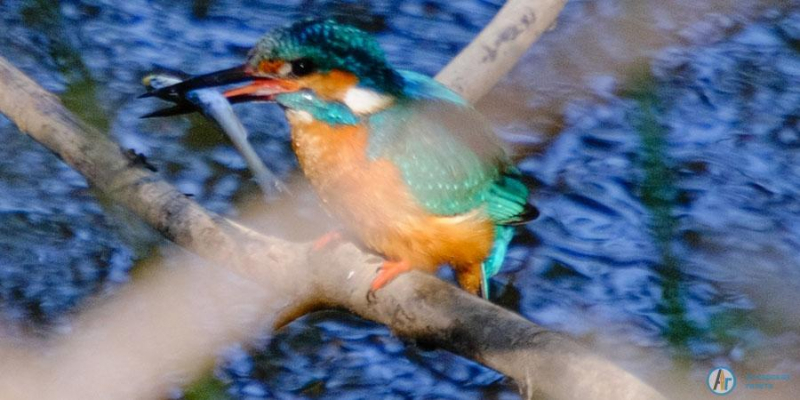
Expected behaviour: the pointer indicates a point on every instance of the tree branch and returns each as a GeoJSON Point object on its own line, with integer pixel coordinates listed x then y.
{"type": "Point", "coordinates": [283, 279]}
{"type": "Point", "coordinates": [489, 57]}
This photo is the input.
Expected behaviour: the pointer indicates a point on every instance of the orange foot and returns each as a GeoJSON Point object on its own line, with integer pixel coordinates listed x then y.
{"type": "Point", "coordinates": [386, 273]}
{"type": "Point", "coordinates": [326, 240]}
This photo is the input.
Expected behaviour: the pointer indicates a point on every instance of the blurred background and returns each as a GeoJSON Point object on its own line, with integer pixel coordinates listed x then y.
{"type": "Point", "coordinates": [663, 138]}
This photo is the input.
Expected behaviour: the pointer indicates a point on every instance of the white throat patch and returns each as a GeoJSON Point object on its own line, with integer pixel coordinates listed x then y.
{"type": "Point", "coordinates": [366, 101]}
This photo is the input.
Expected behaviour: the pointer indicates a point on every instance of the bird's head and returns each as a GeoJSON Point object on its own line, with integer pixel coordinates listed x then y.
{"type": "Point", "coordinates": [335, 62]}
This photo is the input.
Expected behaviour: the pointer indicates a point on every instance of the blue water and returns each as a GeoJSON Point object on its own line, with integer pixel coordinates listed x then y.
{"type": "Point", "coordinates": [670, 196]}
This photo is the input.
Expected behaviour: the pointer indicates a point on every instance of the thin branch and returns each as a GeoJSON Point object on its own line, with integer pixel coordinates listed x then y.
{"type": "Point", "coordinates": [289, 279]}
{"type": "Point", "coordinates": [499, 46]}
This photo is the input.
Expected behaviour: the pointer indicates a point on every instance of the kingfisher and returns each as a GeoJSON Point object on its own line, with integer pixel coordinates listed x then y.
{"type": "Point", "coordinates": [408, 166]}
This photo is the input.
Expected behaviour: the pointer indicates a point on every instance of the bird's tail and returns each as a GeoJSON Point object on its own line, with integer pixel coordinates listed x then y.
{"type": "Point", "coordinates": [507, 200]}
{"type": "Point", "coordinates": [491, 266]}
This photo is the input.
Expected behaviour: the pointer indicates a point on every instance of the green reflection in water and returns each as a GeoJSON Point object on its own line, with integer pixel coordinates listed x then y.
{"type": "Point", "coordinates": [659, 194]}
{"type": "Point", "coordinates": [207, 388]}
{"type": "Point", "coordinates": [80, 93]}
{"type": "Point", "coordinates": [202, 134]}
{"type": "Point", "coordinates": [80, 97]}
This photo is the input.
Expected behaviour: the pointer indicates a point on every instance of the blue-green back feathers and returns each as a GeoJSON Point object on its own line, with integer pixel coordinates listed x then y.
{"type": "Point", "coordinates": [421, 87]}
{"type": "Point", "coordinates": [451, 161]}
{"type": "Point", "coordinates": [443, 173]}
{"type": "Point", "coordinates": [447, 153]}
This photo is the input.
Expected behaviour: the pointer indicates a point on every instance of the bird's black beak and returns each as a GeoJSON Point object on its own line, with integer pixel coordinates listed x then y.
{"type": "Point", "coordinates": [217, 78]}
{"type": "Point", "coordinates": [261, 87]}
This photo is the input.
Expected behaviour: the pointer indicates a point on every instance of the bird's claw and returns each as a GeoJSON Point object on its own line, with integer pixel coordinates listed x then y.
{"type": "Point", "coordinates": [372, 298]}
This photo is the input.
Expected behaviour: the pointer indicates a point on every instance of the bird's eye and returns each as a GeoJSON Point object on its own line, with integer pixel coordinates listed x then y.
{"type": "Point", "coordinates": [302, 66]}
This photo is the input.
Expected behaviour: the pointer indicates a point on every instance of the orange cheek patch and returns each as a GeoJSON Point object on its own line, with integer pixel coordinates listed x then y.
{"type": "Point", "coordinates": [270, 66]}
{"type": "Point", "coordinates": [331, 85]}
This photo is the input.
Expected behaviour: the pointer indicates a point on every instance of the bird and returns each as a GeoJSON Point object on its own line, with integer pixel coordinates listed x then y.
{"type": "Point", "coordinates": [407, 166]}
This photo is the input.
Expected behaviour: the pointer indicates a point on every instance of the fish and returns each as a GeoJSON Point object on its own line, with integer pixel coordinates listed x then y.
{"type": "Point", "coordinates": [213, 105]}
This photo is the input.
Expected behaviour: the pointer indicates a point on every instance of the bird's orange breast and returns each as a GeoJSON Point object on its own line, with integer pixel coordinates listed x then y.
{"type": "Point", "coordinates": [370, 197]}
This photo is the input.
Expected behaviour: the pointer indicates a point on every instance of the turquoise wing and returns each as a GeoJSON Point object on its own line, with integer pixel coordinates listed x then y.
{"type": "Point", "coordinates": [448, 154]}
{"type": "Point", "coordinates": [447, 174]}
{"type": "Point", "coordinates": [451, 160]}
{"type": "Point", "coordinates": [445, 150]}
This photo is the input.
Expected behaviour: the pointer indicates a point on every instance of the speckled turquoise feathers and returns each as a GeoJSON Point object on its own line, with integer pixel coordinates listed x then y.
{"type": "Point", "coordinates": [330, 46]}
{"type": "Point", "coordinates": [451, 160]}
